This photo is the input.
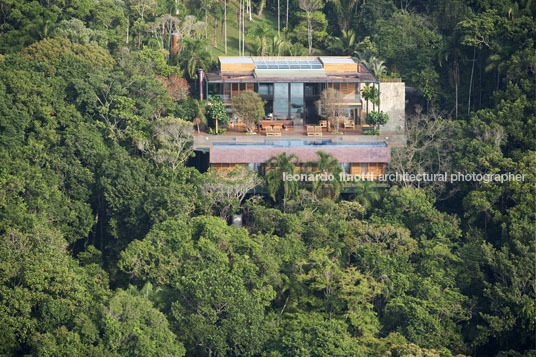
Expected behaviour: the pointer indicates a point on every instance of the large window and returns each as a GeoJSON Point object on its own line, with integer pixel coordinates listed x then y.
{"type": "Point", "coordinates": [266, 89]}
{"type": "Point", "coordinates": [281, 100]}
{"type": "Point", "coordinates": [296, 100]}
{"type": "Point", "coordinates": [312, 88]}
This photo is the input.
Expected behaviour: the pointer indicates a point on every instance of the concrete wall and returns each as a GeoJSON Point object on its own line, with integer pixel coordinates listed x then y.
{"type": "Point", "coordinates": [393, 102]}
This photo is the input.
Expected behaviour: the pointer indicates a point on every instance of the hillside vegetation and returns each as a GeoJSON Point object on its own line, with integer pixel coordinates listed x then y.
{"type": "Point", "coordinates": [111, 244]}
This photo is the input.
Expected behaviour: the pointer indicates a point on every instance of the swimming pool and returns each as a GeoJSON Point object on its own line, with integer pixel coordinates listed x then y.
{"type": "Point", "coordinates": [300, 143]}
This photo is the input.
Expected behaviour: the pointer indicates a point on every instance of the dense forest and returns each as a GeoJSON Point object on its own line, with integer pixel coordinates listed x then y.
{"type": "Point", "coordinates": [113, 244]}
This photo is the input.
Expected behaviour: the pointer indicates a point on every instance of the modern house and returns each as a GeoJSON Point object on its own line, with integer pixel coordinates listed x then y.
{"type": "Point", "coordinates": [290, 88]}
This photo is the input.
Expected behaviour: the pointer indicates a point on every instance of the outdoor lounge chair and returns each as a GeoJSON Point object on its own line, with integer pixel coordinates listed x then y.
{"type": "Point", "coordinates": [273, 131]}
{"type": "Point", "coordinates": [349, 124]}
{"type": "Point", "coordinates": [314, 130]}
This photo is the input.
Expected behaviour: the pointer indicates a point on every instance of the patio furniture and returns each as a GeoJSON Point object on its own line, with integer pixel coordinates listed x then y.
{"type": "Point", "coordinates": [238, 126]}
{"type": "Point", "coordinates": [266, 123]}
{"type": "Point", "coordinates": [273, 131]}
{"type": "Point", "coordinates": [349, 124]}
{"type": "Point", "coordinates": [314, 130]}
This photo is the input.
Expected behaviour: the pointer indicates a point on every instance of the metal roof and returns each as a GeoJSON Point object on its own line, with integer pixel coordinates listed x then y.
{"type": "Point", "coordinates": [287, 63]}
{"type": "Point", "coordinates": [337, 60]}
{"type": "Point", "coordinates": [235, 60]}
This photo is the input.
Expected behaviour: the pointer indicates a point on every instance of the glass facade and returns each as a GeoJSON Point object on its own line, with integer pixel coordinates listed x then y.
{"type": "Point", "coordinates": [296, 100]}
{"type": "Point", "coordinates": [281, 102]}
{"type": "Point", "coordinates": [291, 100]}
{"type": "Point", "coordinates": [312, 89]}
{"type": "Point", "coordinates": [266, 89]}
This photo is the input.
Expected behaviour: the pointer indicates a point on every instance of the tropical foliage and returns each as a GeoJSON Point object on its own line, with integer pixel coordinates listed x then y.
{"type": "Point", "coordinates": [113, 244]}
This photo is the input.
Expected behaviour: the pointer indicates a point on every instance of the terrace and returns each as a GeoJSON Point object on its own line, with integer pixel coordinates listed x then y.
{"type": "Point", "coordinates": [237, 135]}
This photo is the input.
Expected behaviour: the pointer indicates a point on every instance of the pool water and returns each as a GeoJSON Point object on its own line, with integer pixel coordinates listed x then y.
{"type": "Point", "coordinates": [299, 143]}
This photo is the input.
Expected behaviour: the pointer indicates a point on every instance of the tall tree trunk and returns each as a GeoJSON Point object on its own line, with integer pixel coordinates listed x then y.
{"type": "Point", "coordinates": [456, 81]}
{"type": "Point", "coordinates": [456, 84]}
{"type": "Point", "coordinates": [310, 32]}
{"type": "Point", "coordinates": [286, 21]}
{"type": "Point", "coordinates": [225, 24]}
{"type": "Point", "coordinates": [216, 32]}
{"type": "Point", "coordinates": [278, 19]}
{"type": "Point", "coordinates": [261, 8]}
{"type": "Point", "coordinates": [471, 82]}
{"type": "Point", "coordinates": [239, 26]}
{"type": "Point", "coordinates": [243, 28]}
{"type": "Point", "coordinates": [479, 80]}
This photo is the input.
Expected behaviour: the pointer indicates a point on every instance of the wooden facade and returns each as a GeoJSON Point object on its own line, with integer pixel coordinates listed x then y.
{"type": "Point", "coordinates": [372, 169]}
{"type": "Point", "coordinates": [246, 66]}
{"type": "Point", "coordinates": [339, 67]}
{"type": "Point", "coordinates": [226, 167]}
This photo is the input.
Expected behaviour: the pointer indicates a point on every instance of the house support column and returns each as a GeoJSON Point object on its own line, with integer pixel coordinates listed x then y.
{"type": "Point", "coordinates": [201, 79]}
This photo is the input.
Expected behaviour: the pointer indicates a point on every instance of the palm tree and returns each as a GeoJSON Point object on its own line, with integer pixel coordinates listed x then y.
{"type": "Point", "coordinates": [376, 65]}
{"type": "Point", "coordinates": [278, 46]}
{"type": "Point", "coordinates": [330, 165]}
{"type": "Point", "coordinates": [261, 33]}
{"type": "Point", "coordinates": [362, 56]}
{"type": "Point", "coordinates": [194, 56]}
{"type": "Point", "coordinates": [366, 193]}
{"type": "Point", "coordinates": [277, 188]}
{"type": "Point", "coordinates": [296, 49]}
{"type": "Point", "coordinates": [369, 93]}
{"type": "Point", "coordinates": [345, 43]}
{"type": "Point", "coordinates": [343, 12]}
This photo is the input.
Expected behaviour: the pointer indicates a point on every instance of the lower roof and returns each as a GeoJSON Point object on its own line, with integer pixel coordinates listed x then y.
{"type": "Point", "coordinates": [230, 153]}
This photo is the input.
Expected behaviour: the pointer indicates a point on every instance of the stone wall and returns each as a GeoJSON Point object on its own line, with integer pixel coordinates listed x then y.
{"type": "Point", "coordinates": [392, 102]}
